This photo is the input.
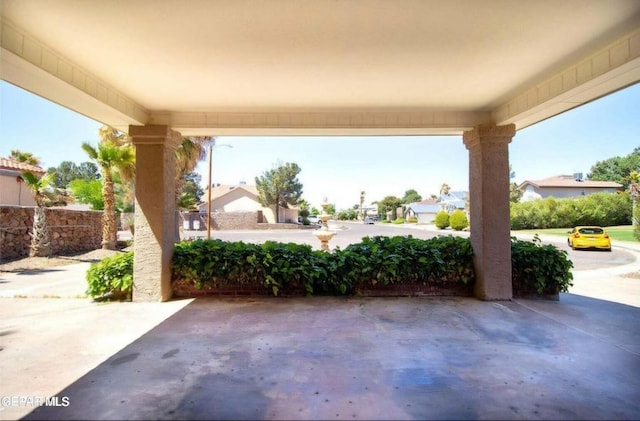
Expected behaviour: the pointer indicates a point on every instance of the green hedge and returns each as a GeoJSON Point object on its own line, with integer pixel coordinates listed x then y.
{"type": "Point", "coordinates": [294, 269]}
{"type": "Point", "coordinates": [539, 269]}
{"type": "Point", "coordinates": [603, 209]}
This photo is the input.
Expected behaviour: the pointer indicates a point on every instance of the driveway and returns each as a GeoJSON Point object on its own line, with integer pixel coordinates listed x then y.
{"type": "Point", "coordinates": [322, 358]}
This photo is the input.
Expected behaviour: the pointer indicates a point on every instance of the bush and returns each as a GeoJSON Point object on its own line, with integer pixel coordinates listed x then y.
{"type": "Point", "coordinates": [412, 220]}
{"type": "Point", "coordinates": [111, 278]}
{"type": "Point", "coordinates": [458, 220]}
{"type": "Point", "coordinates": [603, 209]}
{"type": "Point", "coordinates": [293, 268]}
{"type": "Point", "coordinates": [539, 269]}
{"type": "Point", "coordinates": [398, 221]}
{"type": "Point", "coordinates": [442, 220]}
{"type": "Point", "coordinates": [377, 261]}
{"type": "Point", "coordinates": [271, 266]}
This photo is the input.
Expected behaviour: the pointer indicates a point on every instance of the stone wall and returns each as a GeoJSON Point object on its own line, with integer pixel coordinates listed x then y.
{"type": "Point", "coordinates": [230, 221]}
{"type": "Point", "coordinates": [70, 231]}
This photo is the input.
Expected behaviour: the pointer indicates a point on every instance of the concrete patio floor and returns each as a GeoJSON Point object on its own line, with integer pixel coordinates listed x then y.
{"type": "Point", "coordinates": [333, 358]}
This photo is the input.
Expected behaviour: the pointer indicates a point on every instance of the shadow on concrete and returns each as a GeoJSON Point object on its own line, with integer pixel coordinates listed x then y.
{"type": "Point", "coordinates": [374, 358]}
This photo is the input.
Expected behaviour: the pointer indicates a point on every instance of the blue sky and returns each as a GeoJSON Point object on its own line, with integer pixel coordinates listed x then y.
{"type": "Point", "coordinates": [339, 168]}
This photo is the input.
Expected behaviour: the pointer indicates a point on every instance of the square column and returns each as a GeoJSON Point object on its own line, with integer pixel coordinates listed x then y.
{"type": "Point", "coordinates": [155, 207]}
{"type": "Point", "coordinates": [489, 202]}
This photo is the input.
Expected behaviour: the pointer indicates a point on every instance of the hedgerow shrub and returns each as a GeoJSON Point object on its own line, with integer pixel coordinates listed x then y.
{"type": "Point", "coordinates": [293, 267]}
{"type": "Point", "coordinates": [604, 209]}
{"type": "Point", "coordinates": [458, 220]}
{"type": "Point", "coordinates": [296, 269]}
{"type": "Point", "coordinates": [398, 221]}
{"type": "Point", "coordinates": [412, 220]}
{"type": "Point", "coordinates": [442, 220]}
{"type": "Point", "coordinates": [538, 268]}
{"type": "Point", "coordinates": [111, 278]}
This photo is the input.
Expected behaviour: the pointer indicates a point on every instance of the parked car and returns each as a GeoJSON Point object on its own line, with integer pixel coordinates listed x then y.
{"type": "Point", "coordinates": [589, 237]}
{"type": "Point", "coordinates": [368, 220]}
{"type": "Point", "coordinates": [313, 219]}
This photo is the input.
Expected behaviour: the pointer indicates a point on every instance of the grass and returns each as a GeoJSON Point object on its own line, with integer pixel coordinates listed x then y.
{"type": "Point", "coordinates": [617, 233]}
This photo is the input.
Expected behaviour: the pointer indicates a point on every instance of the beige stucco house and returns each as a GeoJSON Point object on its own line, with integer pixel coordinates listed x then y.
{"type": "Point", "coordinates": [13, 190]}
{"type": "Point", "coordinates": [562, 186]}
{"type": "Point", "coordinates": [244, 198]}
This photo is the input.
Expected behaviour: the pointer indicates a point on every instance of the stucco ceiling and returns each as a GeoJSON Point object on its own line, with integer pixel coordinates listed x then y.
{"type": "Point", "coordinates": [186, 61]}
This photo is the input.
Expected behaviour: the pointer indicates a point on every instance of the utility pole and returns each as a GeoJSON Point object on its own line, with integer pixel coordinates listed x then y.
{"type": "Point", "coordinates": [211, 145]}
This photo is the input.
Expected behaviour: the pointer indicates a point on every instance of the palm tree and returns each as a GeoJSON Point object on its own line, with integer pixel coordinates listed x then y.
{"type": "Point", "coordinates": [444, 189]}
{"type": "Point", "coordinates": [42, 188]}
{"type": "Point", "coordinates": [189, 153]}
{"type": "Point", "coordinates": [361, 213]}
{"type": "Point", "coordinates": [114, 154]}
{"type": "Point", "coordinates": [26, 157]}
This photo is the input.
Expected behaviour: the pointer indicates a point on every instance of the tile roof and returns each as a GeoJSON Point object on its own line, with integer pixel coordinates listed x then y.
{"type": "Point", "coordinates": [569, 181]}
{"type": "Point", "coordinates": [223, 189]}
{"type": "Point", "coordinates": [12, 164]}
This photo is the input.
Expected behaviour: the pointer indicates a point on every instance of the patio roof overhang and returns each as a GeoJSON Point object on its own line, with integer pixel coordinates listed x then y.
{"type": "Point", "coordinates": [307, 67]}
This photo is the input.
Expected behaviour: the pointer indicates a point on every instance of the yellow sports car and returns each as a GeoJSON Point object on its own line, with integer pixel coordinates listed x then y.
{"type": "Point", "coordinates": [589, 237]}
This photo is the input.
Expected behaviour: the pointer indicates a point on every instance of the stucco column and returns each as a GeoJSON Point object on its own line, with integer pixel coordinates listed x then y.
{"type": "Point", "coordinates": [489, 200]}
{"type": "Point", "coordinates": [155, 231]}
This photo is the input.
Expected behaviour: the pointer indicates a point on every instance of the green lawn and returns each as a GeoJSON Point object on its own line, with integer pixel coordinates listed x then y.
{"type": "Point", "coordinates": [619, 233]}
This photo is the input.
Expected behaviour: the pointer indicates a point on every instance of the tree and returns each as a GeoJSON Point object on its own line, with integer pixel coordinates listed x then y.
{"type": "Point", "coordinates": [88, 171]}
{"type": "Point", "coordinates": [279, 187]}
{"type": "Point", "coordinates": [43, 190]}
{"type": "Point", "coordinates": [68, 171]}
{"type": "Point", "coordinates": [114, 155]}
{"type": "Point", "coordinates": [515, 194]}
{"type": "Point", "coordinates": [89, 192]}
{"type": "Point", "coordinates": [64, 173]}
{"type": "Point", "coordinates": [303, 211]}
{"type": "Point", "coordinates": [26, 157]}
{"type": "Point", "coordinates": [389, 204]}
{"type": "Point", "coordinates": [411, 196]}
{"type": "Point", "coordinates": [191, 191]}
{"type": "Point", "coordinates": [444, 189]}
{"type": "Point", "coordinates": [361, 211]}
{"type": "Point", "coordinates": [616, 169]}
{"type": "Point", "coordinates": [191, 151]}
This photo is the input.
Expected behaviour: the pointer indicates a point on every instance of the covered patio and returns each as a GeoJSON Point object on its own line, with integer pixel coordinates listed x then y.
{"type": "Point", "coordinates": [476, 70]}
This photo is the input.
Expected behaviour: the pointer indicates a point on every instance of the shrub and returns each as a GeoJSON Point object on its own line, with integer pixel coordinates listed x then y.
{"type": "Point", "coordinates": [271, 266]}
{"type": "Point", "coordinates": [398, 221]}
{"type": "Point", "coordinates": [112, 277]}
{"type": "Point", "coordinates": [458, 220]}
{"type": "Point", "coordinates": [377, 261]}
{"type": "Point", "coordinates": [294, 268]}
{"type": "Point", "coordinates": [539, 269]}
{"type": "Point", "coordinates": [442, 220]}
{"type": "Point", "coordinates": [412, 220]}
{"type": "Point", "coordinates": [604, 209]}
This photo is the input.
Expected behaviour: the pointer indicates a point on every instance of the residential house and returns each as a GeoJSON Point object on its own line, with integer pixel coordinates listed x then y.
{"type": "Point", "coordinates": [13, 190]}
{"type": "Point", "coordinates": [563, 186]}
{"type": "Point", "coordinates": [425, 210]}
{"type": "Point", "coordinates": [244, 198]}
{"type": "Point", "coordinates": [453, 200]}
